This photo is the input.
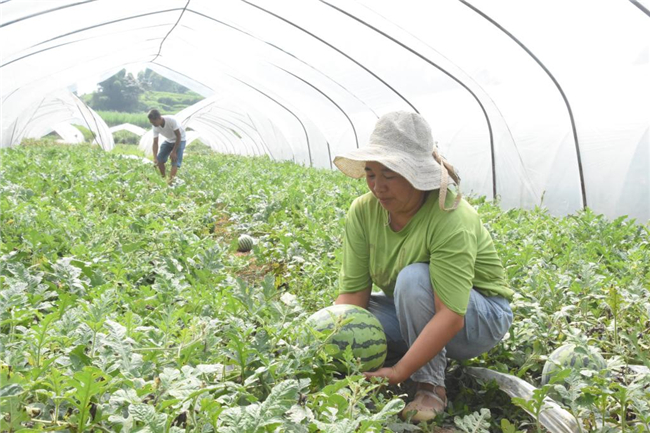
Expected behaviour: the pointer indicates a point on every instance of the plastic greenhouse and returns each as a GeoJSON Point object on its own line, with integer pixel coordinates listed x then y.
{"type": "Point", "coordinates": [539, 102]}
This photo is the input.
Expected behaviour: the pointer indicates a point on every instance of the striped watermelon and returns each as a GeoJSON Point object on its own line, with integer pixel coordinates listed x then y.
{"type": "Point", "coordinates": [567, 357]}
{"type": "Point", "coordinates": [360, 330]}
{"type": "Point", "coordinates": [244, 243]}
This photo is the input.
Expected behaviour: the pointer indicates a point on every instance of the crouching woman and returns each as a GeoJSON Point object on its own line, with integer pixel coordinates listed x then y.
{"type": "Point", "coordinates": [444, 293]}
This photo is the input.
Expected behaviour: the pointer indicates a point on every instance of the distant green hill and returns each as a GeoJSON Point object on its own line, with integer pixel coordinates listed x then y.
{"type": "Point", "coordinates": [165, 102]}
{"type": "Point", "coordinates": [123, 98]}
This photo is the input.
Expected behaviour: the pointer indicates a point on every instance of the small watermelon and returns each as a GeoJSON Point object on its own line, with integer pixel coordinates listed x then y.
{"type": "Point", "coordinates": [361, 330]}
{"type": "Point", "coordinates": [567, 357]}
{"type": "Point", "coordinates": [244, 243]}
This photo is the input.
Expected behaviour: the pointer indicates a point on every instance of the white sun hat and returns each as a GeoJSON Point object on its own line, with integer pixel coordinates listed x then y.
{"type": "Point", "coordinates": [402, 141]}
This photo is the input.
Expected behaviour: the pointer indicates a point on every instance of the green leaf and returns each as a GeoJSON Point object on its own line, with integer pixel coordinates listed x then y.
{"type": "Point", "coordinates": [11, 390]}
{"type": "Point", "coordinates": [154, 422]}
{"type": "Point", "coordinates": [78, 356]}
{"type": "Point", "coordinates": [507, 427]}
{"type": "Point", "coordinates": [257, 416]}
{"type": "Point", "coordinates": [475, 422]}
{"type": "Point", "coordinates": [340, 426]}
{"type": "Point", "coordinates": [393, 407]}
{"type": "Point", "coordinates": [87, 383]}
{"type": "Point", "coordinates": [282, 397]}
{"type": "Point", "coordinates": [128, 248]}
{"type": "Point", "coordinates": [331, 349]}
{"type": "Point", "coordinates": [125, 423]}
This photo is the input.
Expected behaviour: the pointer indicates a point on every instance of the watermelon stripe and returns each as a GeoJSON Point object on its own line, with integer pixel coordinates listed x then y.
{"type": "Point", "coordinates": [363, 333]}
{"type": "Point", "coordinates": [366, 344]}
{"type": "Point", "coordinates": [369, 343]}
{"type": "Point", "coordinates": [373, 357]}
{"type": "Point", "coordinates": [363, 326]}
{"type": "Point", "coordinates": [352, 326]}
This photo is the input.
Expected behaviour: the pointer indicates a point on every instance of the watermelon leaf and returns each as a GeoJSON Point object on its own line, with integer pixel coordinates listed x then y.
{"type": "Point", "coordinates": [87, 383]}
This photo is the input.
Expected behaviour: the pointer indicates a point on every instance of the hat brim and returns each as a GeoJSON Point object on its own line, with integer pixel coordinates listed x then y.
{"type": "Point", "coordinates": [421, 171]}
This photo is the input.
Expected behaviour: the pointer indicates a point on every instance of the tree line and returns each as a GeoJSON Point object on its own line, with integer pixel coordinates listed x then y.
{"type": "Point", "coordinates": [122, 91]}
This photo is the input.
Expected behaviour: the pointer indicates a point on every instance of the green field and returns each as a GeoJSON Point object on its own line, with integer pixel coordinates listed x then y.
{"type": "Point", "coordinates": [114, 118]}
{"type": "Point", "coordinates": [125, 306]}
{"type": "Point", "coordinates": [165, 102]}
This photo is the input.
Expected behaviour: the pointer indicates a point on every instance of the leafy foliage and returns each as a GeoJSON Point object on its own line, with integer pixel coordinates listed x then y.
{"type": "Point", "coordinates": [118, 93]}
{"type": "Point", "coordinates": [126, 137]}
{"type": "Point", "coordinates": [168, 102]}
{"type": "Point", "coordinates": [124, 305]}
{"type": "Point", "coordinates": [475, 422]}
{"type": "Point", "coordinates": [114, 118]}
{"type": "Point", "coordinates": [123, 96]}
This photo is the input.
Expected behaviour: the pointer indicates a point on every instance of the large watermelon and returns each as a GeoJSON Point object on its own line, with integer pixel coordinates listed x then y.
{"type": "Point", "coordinates": [568, 357]}
{"type": "Point", "coordinates": [358, 328]}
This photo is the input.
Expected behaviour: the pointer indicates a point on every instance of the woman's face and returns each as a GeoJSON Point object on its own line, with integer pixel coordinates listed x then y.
{"type": "Point", "coordinates": [392, 190]}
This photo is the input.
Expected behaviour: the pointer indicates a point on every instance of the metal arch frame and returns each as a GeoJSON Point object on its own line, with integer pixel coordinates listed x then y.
{"type": "Point", "coordinates": [640, 6]}
{"type": "Point", "coordinates": [107, 23]}
{"type": "Point", "coordinates": [100, 141]}
{"type": "Point", "coordinates": [494, 185]}
{"type": "Point", "coordinates": [79, 31]}
{"type": "Point", "coordinates": [171, 30]}
{"type": "Point", "coordinates": [335, 49]}
{"type": "Point", "coordinates": [22, 132]}
{"type": "Point", "coordinates": [218, 127]}
{"type": "Point", "coordinates": [199, 112]}
{"type": "Point", "coordinates": [464, 2]}
{"type": "Point", "coordinates": [559, 88]}
{"type": "Point", "coordinates": [356, 138]}
{"type": "Point", "coordinates": [216, 20]}
{"type": "Point", "coordinates": [441, 69]}
{"type": "Point", "coordinates": [272, 99]}
{"type": "Point", "coordinates": [288, 54]}
{"type": "Point", "coordinates": [179, 73]}
{"type": "Point", "coordinates": [43, 12]}
{"type": "Point", "coordinates": [153, 61]}
{"type": "Point", "coordinates": [311, 162]}
{"type": "Point", "coordinates": [254, 127]}
{"type": "Point", "coordinates": [262, 144]}
{"type": "Point", "coordinates": [222, 122]}
{"type": "Point", "coordinates": [226, 142]}
{"type": "Point", "coordinates": [236, 29]}
{"type": "Point", "coordinates": [94, 120]}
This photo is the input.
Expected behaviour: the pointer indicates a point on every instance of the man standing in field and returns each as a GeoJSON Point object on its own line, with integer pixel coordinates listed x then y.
{"type": "Point", "coordinates": [174, 143]}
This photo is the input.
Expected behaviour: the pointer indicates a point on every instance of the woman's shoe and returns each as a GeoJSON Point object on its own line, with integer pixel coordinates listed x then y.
{"type": "Point", "coordinates": [426, 405]}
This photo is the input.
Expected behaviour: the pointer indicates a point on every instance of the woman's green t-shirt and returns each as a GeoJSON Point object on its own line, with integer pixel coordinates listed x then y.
{"type": "Point", "coordinates": [456, 245]}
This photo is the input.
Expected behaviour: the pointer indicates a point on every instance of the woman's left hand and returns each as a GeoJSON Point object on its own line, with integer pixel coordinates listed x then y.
{"type": "Point", "coordinates": [390, 373]}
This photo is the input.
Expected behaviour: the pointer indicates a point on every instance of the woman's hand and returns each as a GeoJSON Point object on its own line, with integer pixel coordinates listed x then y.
{"type": "Point", "coordinates": [393, 374]}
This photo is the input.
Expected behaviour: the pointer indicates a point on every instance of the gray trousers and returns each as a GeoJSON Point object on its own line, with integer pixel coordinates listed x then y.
{"type": "Point", "coordinates": [404, 316]}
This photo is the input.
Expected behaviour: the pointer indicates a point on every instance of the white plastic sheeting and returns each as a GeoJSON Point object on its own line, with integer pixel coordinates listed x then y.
{"type": "Point", "coordinates": [537, 102]}
{"type": "Point", "coordinates": [49, 113]}
{"type": "Point", "coordinates": [135, 129]}
{"type": "Point", "coordinates": [228, 128]}
{"type": "Point", "coordinates": [68, 133]}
